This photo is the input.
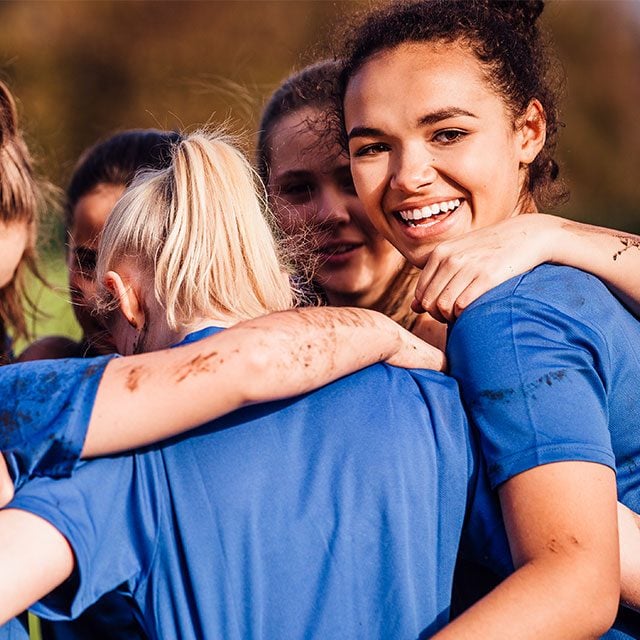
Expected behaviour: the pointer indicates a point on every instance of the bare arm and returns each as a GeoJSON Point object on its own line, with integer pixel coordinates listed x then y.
{"type": "Point", "coordinates": [561, 523]}
{"type": "Point", "coordinates": [460, 270]}
{"type": "Point", "coordinates": [149, 397]}
{"type": "Point", "coordinates": [34, 559]}
{"type": "Point", "coordinates": [629, 528]}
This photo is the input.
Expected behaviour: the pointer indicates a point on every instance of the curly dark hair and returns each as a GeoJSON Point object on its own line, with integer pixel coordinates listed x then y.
{"type": "Point", "coordinates": [505, 37]}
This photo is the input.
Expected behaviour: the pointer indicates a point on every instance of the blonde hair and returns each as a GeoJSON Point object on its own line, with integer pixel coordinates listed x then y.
{"type": "Point", "coordinates": [200, 228]}
{"type": "Point", "coordinates": [21, 199]}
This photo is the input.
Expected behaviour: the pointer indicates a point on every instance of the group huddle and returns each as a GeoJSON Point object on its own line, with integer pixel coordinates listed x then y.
{"type": "Point", "coordinates": [366, 389]}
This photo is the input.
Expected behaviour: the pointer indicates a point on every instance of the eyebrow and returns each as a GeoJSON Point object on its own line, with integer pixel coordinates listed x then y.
{"type": "Point", "coordinates": [444, 114]}
{"type": "Point", "coordinates": [428, 119]}
{"type": "Point", "coordinates": [292, 174]}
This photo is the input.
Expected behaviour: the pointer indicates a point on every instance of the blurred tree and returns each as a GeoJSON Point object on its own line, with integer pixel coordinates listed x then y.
{"type": "Point", "coordinates": [85, 69]}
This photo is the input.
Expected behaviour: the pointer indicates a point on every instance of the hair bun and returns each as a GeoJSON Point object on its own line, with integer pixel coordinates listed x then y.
{"type": "Point", "coordinates": [521, 14]}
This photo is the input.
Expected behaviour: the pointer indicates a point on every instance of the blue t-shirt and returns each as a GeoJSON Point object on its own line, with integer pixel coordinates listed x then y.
{"type": "Point", "coordinates": [46, 407]}
{"type": "Point", "coordinates": [333, 515]}
{"type": "Point", "coordinates": [548, 365]}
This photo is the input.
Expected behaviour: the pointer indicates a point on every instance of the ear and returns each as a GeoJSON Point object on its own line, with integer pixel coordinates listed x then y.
{"type": "Point", "coordinates": [532, 132]}
{"type": "Point", "coordinates": [127, 298]}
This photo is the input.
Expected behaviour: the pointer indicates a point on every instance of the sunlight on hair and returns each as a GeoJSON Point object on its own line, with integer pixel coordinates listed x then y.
{"type": "Point", "coordinates": [202, 232]}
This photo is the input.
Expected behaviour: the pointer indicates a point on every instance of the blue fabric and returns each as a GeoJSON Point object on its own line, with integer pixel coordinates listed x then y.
{"type": "Point", "coordinates": [333, 515]}
{"type": "Point", "coordinates": [46, 407]}
{"type": "Point", "coordinates": [548, 365]}
{"type": "Point", "coordinates": [16, 629]}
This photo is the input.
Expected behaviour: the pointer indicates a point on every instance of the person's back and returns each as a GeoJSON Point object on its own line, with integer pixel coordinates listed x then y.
{"type": "Point", "coordinates": [337, 514]}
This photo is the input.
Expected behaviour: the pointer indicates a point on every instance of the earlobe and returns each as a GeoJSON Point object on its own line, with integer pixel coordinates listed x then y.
{"type": "Point", "coordinates": [532, 131]}
{"type": "Point", "coordinates": [127, 298]}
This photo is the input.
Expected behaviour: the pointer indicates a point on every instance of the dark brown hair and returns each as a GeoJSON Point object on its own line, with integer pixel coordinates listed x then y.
{"type": "Point", "coordinates": [116, 160]}
{"type": "Point", "coordinates": [505, 37]}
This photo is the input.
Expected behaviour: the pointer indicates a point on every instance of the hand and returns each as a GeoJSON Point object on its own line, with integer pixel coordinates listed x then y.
{"type": "Point", "coordinates": [414, 353]}
{"type": "Point", "coordinates": [459, 271]}
{"type": "Point", "coordinates": [6, 484]}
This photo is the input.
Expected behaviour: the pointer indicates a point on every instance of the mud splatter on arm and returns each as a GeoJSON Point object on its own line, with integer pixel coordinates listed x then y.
{"type": "Point", "coordinates": [612, 256]}
{"type": "Point", "coordinates": [153, 396]}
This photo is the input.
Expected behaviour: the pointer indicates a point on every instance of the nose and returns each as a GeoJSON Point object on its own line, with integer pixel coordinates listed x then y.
{"type": "Point", "coordinates": [413, 169]}
{"type": "Point", "coordinates": [333, 207]}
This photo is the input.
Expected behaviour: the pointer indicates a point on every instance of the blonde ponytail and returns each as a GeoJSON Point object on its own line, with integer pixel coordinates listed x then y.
{"type": "Point", "coordinates": [200, 230]}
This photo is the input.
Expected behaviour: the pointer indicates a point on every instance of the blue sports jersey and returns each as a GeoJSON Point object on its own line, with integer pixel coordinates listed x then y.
{"type": "Point", "coordinates": [333, 515]}
{"type": "Point", "coordinates": [46, 406]}
{"type": "Point", "coordinates": [548, 365]}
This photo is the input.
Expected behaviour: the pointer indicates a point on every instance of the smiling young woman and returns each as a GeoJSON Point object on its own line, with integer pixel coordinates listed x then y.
{"type": "Point", "coordinates": [451, 119]}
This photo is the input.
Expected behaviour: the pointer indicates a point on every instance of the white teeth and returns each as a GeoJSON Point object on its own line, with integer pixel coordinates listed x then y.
{"type": "Point", "coordinates": [408, 215]}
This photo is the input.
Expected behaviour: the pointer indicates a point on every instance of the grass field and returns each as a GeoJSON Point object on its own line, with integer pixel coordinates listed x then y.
{"type": "Point", "coordinates": [56, 316]}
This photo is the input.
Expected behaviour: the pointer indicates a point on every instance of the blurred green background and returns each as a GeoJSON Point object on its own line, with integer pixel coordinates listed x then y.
{"type": "Point", "coordinates": [82, 70]}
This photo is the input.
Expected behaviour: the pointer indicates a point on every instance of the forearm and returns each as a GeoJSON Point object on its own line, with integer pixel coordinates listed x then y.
{"type": "Point", "coordinates": [146, 398]}
{"type": "Point", "coordinates": [561, 524]}
{"type": "Point", "coordinates": [34, 559]}
{"type": "Point", "coordinates": [613, 256]}
{"type": "Point", "coordinates": [541, 600]}
{"type": "Point", "coordinates": [629, 530]}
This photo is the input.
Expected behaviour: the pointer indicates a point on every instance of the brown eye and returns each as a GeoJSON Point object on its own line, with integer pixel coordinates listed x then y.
{"type": "Point", "coordinates": [448, 136]}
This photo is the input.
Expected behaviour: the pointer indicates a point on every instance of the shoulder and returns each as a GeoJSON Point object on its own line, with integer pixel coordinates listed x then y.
{"type": "Point", "coordinates": [551, 284]}
{"type": "Point", "coordinates": [545, 300]}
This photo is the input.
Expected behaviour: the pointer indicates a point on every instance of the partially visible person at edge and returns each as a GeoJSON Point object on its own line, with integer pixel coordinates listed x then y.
{"type": "Point", "coordinates": [21, 199]}
{"type": "Point", "coordinates": [451, 124]}
{"type": "Point", "coordinates": [98, 180]}
{"type": "Point", "coordinates": [42, 401]}
{"type": "Point", "coordinates": [335, 514]}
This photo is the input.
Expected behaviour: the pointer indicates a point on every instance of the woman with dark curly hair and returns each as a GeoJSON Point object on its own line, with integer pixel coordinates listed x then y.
{"type": "Point", "coordinates": [450, 113]}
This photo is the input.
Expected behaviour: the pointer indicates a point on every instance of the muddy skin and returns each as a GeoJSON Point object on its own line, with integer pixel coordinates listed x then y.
{"type": "Point", "coordinates": [133, 377]}
{"type": "Point", "coordinates": [627, 243]}
{"type": "Point", "coordinates": [198, 364]}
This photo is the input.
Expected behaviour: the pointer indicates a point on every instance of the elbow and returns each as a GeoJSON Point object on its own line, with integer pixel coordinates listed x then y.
{"type": "Point", "coordinates": [601, 602]}
{"type": "Point", "coordinates": [259, 366]}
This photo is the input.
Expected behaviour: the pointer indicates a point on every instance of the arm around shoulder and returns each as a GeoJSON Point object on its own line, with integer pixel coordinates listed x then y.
{"type": "Point", "coordinates": [153, 396]}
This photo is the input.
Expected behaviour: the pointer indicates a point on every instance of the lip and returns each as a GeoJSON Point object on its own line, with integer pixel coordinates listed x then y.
{"type": "Point", "coordinates": [334, 253]}
{"type": "Point", "coordinates": [431, 227]}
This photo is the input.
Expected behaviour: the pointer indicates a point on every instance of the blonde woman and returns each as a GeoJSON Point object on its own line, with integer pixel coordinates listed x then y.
{"type": "Point", "coordinates": [336, 513]}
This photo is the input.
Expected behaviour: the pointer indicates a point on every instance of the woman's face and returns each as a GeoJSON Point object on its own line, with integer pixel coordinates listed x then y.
{"type": "Point", "coordinates": [89, 217]}
{"type": "Point", "coordinates": [313, 198]}
{"type": "Point", "coordinates": [434, 150]}
{"type": "Point", "coordinates": [14, 237]}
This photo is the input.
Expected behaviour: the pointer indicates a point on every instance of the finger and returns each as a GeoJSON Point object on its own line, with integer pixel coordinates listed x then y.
{"type": "Point", "coordinates": [474, 290]}
{"type": "Point", "coordinates": [446, 302]}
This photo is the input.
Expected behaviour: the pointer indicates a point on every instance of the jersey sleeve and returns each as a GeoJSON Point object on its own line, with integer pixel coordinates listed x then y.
{"type": "Point", "coordinates": [46, 407]}
{"type": "Point", "coordinates": [533, 379]}
{"type": "Point", "coordinates": [108, 512]}
{"type": "Point", "coordinates": [15, 629]}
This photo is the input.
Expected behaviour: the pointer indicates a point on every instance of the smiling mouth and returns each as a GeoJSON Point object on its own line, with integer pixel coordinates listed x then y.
{"type": "Point", "coordinates": [338, 249]}
{"type": "Point", "coordinates": [428, 215]}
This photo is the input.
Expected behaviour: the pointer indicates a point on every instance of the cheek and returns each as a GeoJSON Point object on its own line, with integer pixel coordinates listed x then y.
{"type": "Point", "coordinates": [293, 219]}
{"type": "Point", "coordinates": [10, 256]}
{"type": "Point", "coordinates": [369, 180]}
